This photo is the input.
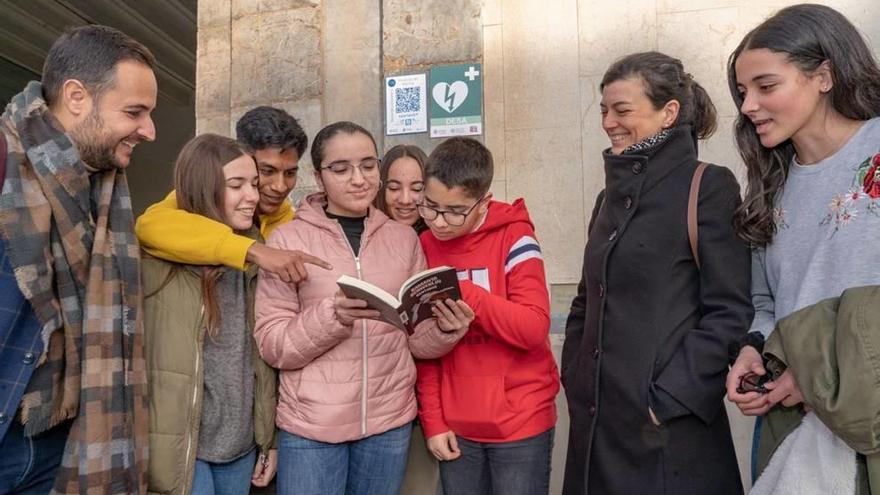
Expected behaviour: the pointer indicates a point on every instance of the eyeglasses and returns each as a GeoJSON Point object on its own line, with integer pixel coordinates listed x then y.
{"type": "Point", "coordinates": [453, 218]}
{"type": "Point", "coordinates": [343, 170]}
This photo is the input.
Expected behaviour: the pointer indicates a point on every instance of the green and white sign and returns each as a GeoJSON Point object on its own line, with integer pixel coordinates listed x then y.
{"type": "Point", "coordinates": [456, 100]}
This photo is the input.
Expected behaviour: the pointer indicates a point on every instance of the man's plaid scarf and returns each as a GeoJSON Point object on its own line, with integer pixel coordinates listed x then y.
{"type": "Point", "coordinates": [70, 238]}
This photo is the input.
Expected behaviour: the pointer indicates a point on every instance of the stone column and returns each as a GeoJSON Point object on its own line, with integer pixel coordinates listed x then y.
{"type": "Point", "coordinates": [318, 60]}
{"type": "Point", "coordinates": [352, 64]}
{"type": "Point", "coordinates": [212, 67]}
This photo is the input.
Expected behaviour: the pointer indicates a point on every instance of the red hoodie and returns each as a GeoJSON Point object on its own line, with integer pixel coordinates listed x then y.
{"type": "Point", "coordinates": [499, 383]}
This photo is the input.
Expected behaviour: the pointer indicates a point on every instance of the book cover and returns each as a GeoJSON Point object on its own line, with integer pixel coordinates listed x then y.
{"type": "Point", "coordinates": [413, 304]}
{"type": "Point", "coordinates": [416, 295]}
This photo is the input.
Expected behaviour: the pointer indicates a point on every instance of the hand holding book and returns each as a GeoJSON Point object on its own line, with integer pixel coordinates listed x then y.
{"type": "Point", "coordinates": [452, 315]}
{"type": "Point", "coordinates": [431, 293]}
{"type": "Point", "coordinates": [348, 310]}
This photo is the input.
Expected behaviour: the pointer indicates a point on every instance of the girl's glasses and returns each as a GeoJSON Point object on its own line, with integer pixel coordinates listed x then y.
{"type": "Point", "coordinates": [344, 170]}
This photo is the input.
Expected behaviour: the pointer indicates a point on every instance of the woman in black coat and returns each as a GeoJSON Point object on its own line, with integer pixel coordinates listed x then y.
{"type": "Point", "coordinates": [646, 342]}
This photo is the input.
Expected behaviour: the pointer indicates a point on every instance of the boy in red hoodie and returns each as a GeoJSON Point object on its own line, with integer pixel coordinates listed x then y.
{"type": "Point", "coordinates": [488, 407]}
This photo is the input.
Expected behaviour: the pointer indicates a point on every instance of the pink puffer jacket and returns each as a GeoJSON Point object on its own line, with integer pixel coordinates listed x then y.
{"type": "Point", "coordinates": [336, 385]}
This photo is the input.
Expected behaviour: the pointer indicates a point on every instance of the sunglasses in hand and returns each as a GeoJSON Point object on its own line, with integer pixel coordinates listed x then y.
{"type": "Point", "coordinates": [753, 382]}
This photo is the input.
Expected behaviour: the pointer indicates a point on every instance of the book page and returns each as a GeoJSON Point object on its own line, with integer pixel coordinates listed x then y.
{"type": "Point", "coordinates": [376, 298]}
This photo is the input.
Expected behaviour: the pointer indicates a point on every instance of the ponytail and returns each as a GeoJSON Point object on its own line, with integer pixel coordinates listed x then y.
{"type": "Point", "coordinates": [705, 117]}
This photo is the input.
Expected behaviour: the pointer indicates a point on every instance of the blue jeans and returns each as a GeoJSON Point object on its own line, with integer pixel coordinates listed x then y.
{"type": "Point", "coordinates": [28, 465]}
{"type": "Point", "coordinates": [228, 478]}
{"type": "Point", "coordinates": [521, 467]}
{"type": "Point", "coordinates": [370, 466]}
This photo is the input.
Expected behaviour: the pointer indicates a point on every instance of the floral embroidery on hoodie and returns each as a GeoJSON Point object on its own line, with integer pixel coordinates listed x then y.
{"type": "Point", "coordinates": [866, 188]}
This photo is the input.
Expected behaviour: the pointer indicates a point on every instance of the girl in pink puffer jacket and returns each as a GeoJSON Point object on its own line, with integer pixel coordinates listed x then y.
{"type": "Point", "coordinates": [346, 393]}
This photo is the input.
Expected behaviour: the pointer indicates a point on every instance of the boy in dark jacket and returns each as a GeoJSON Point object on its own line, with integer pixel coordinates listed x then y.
{"type": "Point", "coordinates": [488, 407]}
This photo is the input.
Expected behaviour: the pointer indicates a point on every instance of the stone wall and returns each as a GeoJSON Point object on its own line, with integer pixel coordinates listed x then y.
{"type": "Point", "coordinates": [262, 52]}
{"type": "Point", "coordinates": [324, 60]}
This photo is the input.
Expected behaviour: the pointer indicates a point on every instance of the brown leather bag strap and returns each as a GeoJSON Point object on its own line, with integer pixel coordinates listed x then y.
{"type": "Point", "coordinates": [3, 152]}
{"type": "Point", "coordinates": [693, 197]}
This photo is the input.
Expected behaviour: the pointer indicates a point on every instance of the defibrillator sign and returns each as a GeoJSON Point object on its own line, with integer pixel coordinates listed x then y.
{"type": "Point", "coordinates": [456, 100]}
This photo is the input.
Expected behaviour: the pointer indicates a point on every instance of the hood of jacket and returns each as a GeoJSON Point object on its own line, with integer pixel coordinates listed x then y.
{"type": "Point", "coordinates": [312, 211]}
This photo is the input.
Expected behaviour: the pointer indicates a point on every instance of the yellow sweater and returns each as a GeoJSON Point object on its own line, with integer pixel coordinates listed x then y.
{"type": "Point", "coordinates": [172, 234]}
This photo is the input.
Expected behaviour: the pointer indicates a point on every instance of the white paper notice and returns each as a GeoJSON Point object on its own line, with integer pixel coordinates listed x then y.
{"type": "Point", "coordinates": [405, 104]}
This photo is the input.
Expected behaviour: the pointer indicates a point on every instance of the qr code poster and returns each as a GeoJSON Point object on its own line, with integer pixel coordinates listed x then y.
{"type": "Point", "coordinates": [406, 110]}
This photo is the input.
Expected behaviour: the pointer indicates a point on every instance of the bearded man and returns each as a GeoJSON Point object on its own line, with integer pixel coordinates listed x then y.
{"type": "Point", "coordinates": [73, 409]}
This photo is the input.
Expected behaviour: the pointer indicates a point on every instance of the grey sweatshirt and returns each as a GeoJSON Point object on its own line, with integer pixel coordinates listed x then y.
{"type": "Point", "coordinates": [828, 232]}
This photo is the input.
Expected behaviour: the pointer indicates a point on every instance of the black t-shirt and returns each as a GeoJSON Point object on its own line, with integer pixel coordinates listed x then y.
{"type": "Point", "coordinates": [353, 227]}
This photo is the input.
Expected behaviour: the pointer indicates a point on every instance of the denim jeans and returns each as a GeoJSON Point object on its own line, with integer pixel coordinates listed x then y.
{"type": "Point", "coordinates": [29, 465]}
{"type": "Point", "coordinates": [521, 467]}
{"type": "Point", "coordinates": [228, 478]}
{"type": "Point", "coordinates": [370, 466]}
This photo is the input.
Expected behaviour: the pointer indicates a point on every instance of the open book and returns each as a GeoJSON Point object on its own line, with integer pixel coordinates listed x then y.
{"type": "Point", "coordinates": [413, 304]}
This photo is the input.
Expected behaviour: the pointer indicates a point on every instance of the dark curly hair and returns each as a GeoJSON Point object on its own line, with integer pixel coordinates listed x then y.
{"type": "Point", "coordinates": [269, 127]}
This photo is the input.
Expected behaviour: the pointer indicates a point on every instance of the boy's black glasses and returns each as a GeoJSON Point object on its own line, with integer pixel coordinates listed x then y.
{"type": "Point", "coordinates": [452, 218]}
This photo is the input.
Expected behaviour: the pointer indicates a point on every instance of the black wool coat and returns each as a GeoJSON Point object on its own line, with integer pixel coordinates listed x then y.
{"type": "Point", "coordinates": [649, 329]}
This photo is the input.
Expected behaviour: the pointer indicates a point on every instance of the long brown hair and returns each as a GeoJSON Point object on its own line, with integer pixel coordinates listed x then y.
{"type": "Point", "coordinates": [394, 154]}
{"type": "Point", "coordinates": [808, 35]}
{"type": "Point", "coordinates": [200, 188]}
